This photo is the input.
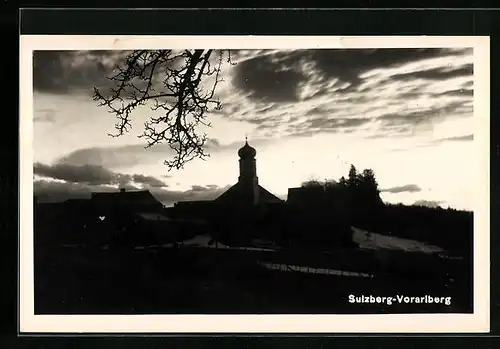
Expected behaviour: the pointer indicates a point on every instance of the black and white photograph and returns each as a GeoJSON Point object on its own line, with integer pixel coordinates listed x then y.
{"type": "Point", "coordinates": [249, 176]}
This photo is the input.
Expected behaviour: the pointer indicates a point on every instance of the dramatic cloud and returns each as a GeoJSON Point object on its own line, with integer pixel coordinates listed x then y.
{"type": "Point", "coordinates": [267, 80]}
{"type": "Point", "coordinates": [63, 181]}
{"type": "Point", "coordinates": [263, 75]}
{"type": "Point", "coordinates": [53, 191]}
{"type": "Point", "coordinates": [135, 154]}
{"type": "Point", "coordinates": [116, 156]}
{"type": "Point", "coordinates": [388, 91]}
{"type": "Point", "coordinates": [64, 72]}
{"type": "Point", "coordinates": [422, 115]}
{"type": "Point", "coordinates": [462, 92]}
{"type": "Point", "coordinates": [93, 175]}
{"type": "Point", "coordinates": [463, 138]}
{"type": "Point", "coordinates": [148, 181]}
{"type": "Point", "coordinates": [428, 203]}
{"type": "Point", "coordinates": [440, 73]}
{"type": "Point", "coordinates": [87, 174]}
{"type": "Point", "coordinates": [304, 92]}
{"type": "Point", "coordinates": [409, 188]}
{"type": "Point", "coordinates": [209, 192]}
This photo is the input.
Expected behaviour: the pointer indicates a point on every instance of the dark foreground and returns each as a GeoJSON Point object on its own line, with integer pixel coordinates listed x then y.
{"type": "Point", "coordinates": [92, 280]}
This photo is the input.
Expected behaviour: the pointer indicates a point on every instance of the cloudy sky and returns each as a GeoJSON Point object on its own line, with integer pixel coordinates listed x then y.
{"type": "Point", "coordinates": [405, 113]}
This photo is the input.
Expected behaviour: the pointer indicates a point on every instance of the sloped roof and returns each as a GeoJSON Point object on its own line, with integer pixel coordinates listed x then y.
{"type": "Point", "coordinates": [140, 197]}
{"type": "Point", "coordinates": [237, 193]}
{"type": "Point", "coordinates": [194, 203]}
{"type": "Point", "coordinates": [306, 194]}
{"type": "Point", "coordinates": [266, 196]}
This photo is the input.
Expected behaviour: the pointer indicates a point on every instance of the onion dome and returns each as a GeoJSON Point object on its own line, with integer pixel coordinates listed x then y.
{"type": "Point", "coordinates": [247, 151]}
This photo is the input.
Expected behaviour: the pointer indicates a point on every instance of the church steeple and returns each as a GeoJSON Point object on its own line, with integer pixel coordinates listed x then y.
{"type": "Point", "coordinates": [248, 171]}
{"type": "Point", "coordinates": [247, 193]}
{"type": "Point", "coordinates": [247, 152]}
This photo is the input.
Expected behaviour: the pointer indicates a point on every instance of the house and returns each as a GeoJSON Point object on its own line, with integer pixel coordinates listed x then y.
{"type": "Point", "coordinates": [138, 218]}
{"type": "Point", "coordinates": [306, 195]}
{"type": "Point", "coordinates": [125, 201]}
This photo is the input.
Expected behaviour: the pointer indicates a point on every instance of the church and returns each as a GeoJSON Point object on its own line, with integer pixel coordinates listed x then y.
{"type": "Point", "coordinates": [243, 203]}
{"type": "Point", "coordinates": [247, 190]}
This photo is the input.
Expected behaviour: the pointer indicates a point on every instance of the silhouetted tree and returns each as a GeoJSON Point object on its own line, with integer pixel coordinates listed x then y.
{"type": "Point", "coordinates": [369, 187]}
{"type": "Point", "coordinates": [330, 185]}
{"type": "Point", "coordinates": [352, 193]}
{"type": "Point", "coordinates": [343, 182]}
{"type": "Point", "coordinates": [172, 83]}
{"type": "Point", "coordinates": [368, 180]}
{"type": "Point", "coordinates": [352, 181]}
{"type": "Point", "coordinates": [312, 183]}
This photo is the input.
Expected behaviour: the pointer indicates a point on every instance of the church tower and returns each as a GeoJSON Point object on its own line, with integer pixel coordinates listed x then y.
{"type": "Point", "coordinates": [247, 192]}
{"type": "Point", "coordinates": [248, 180]}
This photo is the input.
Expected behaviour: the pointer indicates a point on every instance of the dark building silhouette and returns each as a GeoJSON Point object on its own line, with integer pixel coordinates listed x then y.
{"type": "Point", "coordinates": [245, 193]}
{"type": "Point", "coordinates": [133, 201]}
{"type": "Point", "coordinates": [244, 212]}
{"type": "Point", "coordinates": [306, 195]}
{"type": "Point", "coordinates": [236, 211]}
{"type": "Point", "coordinates": [137, 215]}
{"type": "Point", "coordinates": [244, 199]}
{"type": "Point", "coordinates": [247, 190]}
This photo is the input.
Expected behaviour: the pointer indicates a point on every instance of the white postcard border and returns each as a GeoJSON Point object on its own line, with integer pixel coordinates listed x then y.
{"type": "Point", "coordinates": [400, 323]}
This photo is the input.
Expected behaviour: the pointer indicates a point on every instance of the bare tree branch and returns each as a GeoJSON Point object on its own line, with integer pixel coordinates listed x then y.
{"type": "Point", "coordinates": [178, 76]}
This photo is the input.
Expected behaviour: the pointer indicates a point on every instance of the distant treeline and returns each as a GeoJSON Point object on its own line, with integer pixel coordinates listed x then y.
{"type": "Point", "coordinates": [357, 193]}
{"type": "Point", "coordinates": [321, 213]}
{"type": "Point", "coordinates": [356, 200]}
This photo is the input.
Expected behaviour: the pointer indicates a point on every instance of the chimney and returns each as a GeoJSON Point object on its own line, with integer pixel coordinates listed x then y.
{"type": "Point", "coordinates": [122, 190]}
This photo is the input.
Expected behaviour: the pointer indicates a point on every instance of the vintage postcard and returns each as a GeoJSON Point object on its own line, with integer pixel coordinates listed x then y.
{"type": "Point", "coordinates": [254, 184]}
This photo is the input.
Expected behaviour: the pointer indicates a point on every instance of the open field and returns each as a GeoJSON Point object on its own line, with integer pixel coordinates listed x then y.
{"type": "Point", "coordinates": [102, 280]}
